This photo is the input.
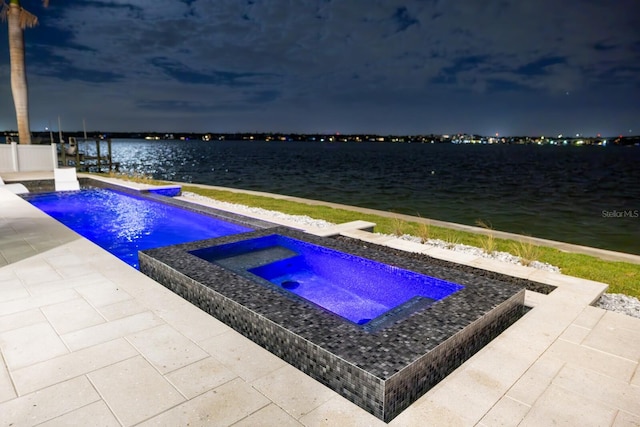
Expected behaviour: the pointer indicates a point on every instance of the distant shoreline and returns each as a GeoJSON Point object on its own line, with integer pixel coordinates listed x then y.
{"type": "Point", "coordinates": [460, 138]}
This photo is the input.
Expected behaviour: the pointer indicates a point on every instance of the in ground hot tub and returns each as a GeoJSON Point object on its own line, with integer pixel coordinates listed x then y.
{"type": "Point", "coordinates": [360, 290]}
{"type": "Point", "coordinates": [383, 365]}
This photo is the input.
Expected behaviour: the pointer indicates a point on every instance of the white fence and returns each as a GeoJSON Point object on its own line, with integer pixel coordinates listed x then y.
{"type": "Point", "coordinates": [28, 158]}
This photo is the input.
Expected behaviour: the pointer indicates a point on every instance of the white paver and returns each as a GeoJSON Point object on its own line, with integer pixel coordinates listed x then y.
{"type": "Point", "coordinates": [222, 406]}
{"type": "Point", "coordinates": [134, 390]}
{"type": "Point", "coordinates": [293, 391]}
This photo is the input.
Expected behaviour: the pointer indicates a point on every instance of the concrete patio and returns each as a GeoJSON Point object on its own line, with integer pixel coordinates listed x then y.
{"type": "Point", "coordinates": [87, 340]}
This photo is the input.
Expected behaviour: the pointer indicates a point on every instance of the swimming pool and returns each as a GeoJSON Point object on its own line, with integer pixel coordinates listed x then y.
{"type": "Point", "coordinates": [125, 223]}
{"type": "Point", "coordinates": [355, 288]}
{"type": "Point", "coordinates": [383, 365]}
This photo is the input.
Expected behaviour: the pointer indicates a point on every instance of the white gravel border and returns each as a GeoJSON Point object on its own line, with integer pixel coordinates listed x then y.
{"type": "Point", "coordinates": [472, 250]}
{"type": "Point", "coordinates": [299, 219]}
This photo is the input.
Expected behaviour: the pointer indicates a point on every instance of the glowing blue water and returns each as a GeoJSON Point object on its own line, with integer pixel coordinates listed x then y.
{"type": "Point", "coordinates": [355, 288]}
{"type": "Point", "coordinates": [124, 224]}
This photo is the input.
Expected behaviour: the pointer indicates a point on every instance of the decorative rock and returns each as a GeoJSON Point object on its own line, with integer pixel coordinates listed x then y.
{"type": "Point", "coordinates": [620, 303]}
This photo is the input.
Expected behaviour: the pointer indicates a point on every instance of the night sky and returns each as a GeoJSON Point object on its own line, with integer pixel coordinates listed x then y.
{"type": "Point", "coordinates": [511, 67]}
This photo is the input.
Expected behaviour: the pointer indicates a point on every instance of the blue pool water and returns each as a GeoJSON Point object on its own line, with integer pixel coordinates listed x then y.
{"type": "Point", "coordinates": [358, 289]}
{"type": "Point", "coordinates": [123, 224]}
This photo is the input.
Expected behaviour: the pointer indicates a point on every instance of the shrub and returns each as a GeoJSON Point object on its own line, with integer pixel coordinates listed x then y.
{"type": "Point", "coordinates": [526, 251]}
{"type": "Point", "coordinates": [487, 241]}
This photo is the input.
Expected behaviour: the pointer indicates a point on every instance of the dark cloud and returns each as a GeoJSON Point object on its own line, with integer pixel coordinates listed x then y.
{"type": "Point", "coordinates": [177, 105]}
{"type": "Point", "coordinates": [262, 96]}
{"type": "Point", "coordinates": [59, 67]}
{"type": "Point", "coordinates": [306, 65]}
{"type": "Point", "coordinates": [185, 74]}
{"type": "Point", "coordinates": [403, 19]}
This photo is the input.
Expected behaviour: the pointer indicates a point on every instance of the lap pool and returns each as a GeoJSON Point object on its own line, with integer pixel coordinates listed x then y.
{"type": "Point", "coordinates": [124, 223]}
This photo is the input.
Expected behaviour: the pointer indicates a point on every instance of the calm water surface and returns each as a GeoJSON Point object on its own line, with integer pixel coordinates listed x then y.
{"type": "Point", "coordinates": [572, 194]}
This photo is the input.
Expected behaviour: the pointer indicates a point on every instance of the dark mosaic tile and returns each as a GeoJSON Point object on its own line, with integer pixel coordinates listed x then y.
{"type": "Point", "coordinates": [530, 285]}
{"type": "Point", "coordinates": [383, 369]}
{"type": "Point", "coordinates": [39, 185]}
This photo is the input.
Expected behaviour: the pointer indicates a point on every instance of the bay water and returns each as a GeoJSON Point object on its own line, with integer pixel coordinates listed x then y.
{"type": "Point", "coordinates": [588, 195]}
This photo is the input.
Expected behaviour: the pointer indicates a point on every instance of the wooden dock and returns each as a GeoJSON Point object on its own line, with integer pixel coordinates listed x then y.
{"type": "Point", "coordinates": [78, 154]}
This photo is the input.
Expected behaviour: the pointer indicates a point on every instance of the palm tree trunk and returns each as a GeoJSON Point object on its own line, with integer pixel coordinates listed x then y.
{"type": "Point", "coordinates": [18, 72]}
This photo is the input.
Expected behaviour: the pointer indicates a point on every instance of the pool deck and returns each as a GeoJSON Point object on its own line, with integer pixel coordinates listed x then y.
{"type": "Point", "coordinates": [87, 340]}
